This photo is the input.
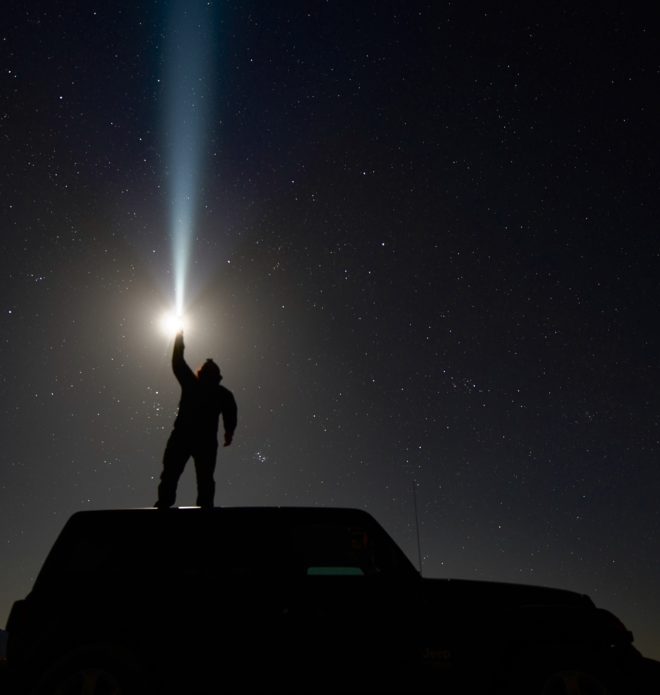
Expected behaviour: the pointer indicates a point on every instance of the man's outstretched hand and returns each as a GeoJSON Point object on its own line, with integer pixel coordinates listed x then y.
{"type": "Point", "coordinates": [228, 437]}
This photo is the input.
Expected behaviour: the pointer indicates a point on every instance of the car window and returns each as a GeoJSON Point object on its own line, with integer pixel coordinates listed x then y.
{"type": "Point", "coordinates": [325, 549]}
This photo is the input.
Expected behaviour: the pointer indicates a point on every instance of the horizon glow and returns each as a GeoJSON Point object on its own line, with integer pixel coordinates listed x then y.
{"type": "Point", "coordinates": [188, 75]}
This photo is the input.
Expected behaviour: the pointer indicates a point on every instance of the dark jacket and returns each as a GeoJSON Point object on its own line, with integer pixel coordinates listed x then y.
{"type": "Point", "coordinates": [201, 403]}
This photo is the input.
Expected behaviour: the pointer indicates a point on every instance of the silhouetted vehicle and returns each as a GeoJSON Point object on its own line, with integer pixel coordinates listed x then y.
{"type": "Point", "coordinates": [293, 599]}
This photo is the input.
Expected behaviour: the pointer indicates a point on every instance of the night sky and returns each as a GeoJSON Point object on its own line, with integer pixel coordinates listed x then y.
{"type": "Point", "coordinates": [425, 248]}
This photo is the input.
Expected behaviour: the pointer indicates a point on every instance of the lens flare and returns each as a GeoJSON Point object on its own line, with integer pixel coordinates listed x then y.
{"type": "Point", "coordinates": [172, 323]}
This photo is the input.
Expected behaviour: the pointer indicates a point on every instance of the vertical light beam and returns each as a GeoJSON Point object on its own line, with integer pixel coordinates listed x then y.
{"type": "Point", "coordinates": [188, 74]}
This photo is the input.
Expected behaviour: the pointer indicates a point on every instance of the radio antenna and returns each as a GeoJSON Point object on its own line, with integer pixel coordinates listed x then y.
{"type": "Point", "coordinates": [419, 545]}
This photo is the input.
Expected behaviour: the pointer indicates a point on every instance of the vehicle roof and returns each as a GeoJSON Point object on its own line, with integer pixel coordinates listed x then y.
{"type": "Point", "coordinates": [297, 510]}
{"type": "Point", "coordinates": [257, 515]}
{"type": "Point", "coordinates": [141, 536]}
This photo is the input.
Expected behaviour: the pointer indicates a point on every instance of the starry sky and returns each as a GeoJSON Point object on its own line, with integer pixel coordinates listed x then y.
{"type": "Point", "coordinates": [424, 252]}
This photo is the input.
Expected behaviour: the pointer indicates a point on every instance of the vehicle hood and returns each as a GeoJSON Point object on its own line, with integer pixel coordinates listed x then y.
{"type": "Point", "coordinates": [483, 593]}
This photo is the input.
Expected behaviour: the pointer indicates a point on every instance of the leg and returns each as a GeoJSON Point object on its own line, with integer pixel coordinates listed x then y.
{"type": "Point", "coordinates": [174, 461]}
{"type": "Point", "coordinates": [204, 468]}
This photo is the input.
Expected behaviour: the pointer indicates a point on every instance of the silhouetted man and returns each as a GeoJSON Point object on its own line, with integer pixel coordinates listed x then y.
{"type": "Point", "coordinates": [195, 430]}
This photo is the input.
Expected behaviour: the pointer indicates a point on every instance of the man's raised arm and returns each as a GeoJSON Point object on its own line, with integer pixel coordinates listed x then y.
{"type": "Point", "coordinates": [181, 370]}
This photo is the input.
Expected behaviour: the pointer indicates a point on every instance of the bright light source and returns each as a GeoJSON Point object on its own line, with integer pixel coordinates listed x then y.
{"type": "Point", "coordinates": [172, 323]}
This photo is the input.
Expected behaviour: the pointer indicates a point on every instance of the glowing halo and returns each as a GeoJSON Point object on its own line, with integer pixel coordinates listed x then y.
{"type": "Point", "coordinates": [172, 323]}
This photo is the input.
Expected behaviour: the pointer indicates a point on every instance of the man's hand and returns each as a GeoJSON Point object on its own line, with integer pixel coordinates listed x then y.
{"type": "Point", "coordinates": [228, 437]}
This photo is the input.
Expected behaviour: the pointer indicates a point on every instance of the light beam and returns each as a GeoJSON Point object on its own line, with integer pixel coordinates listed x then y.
{"type": "Point", "coordinates": [188, 101]}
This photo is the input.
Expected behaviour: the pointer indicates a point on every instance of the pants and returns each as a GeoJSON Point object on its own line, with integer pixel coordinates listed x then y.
{"type": "Point", "coordinates": [179, 449]}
